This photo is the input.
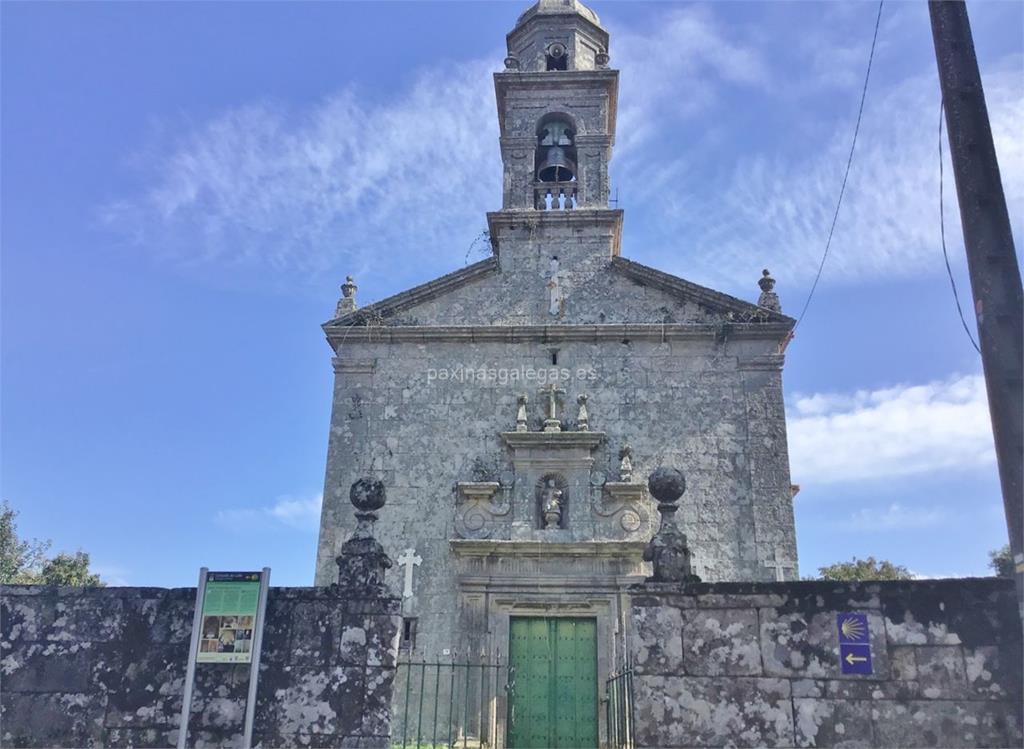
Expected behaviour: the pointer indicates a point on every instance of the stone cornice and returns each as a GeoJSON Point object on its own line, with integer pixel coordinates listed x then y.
{"type": "Point", "coordinates": [353, 366]}
{"type": "Point", "coordinates": [742, 311]}
{"type": "Point", "coordinates": [364, 316]}
{"type": "Point", "coordinates": [568, 79]}
{"type": "Point", "coordinates": [482, 490]}
{"type": "Point", "coordinates": [339, 333]}
{"type": "Point", "coordinates": [625, 492]}
{"type": "Point", "coordinates": [604, 549]}
{"type": "Point", "coordinates": [550, 440]}
{"type": "Point", "coordinates": [764, 362]}
{"type": "Point", "coordinates": [580, 217]}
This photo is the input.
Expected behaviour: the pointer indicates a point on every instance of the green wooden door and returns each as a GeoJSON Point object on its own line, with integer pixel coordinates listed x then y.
{"type": "Point", "coordinates": [554, 702]}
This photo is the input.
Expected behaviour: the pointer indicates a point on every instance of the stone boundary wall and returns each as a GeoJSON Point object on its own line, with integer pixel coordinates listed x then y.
{"type": "Point", "coordinates": [738, 664]}
{"type": "Point", "coordinates": [106, 667]}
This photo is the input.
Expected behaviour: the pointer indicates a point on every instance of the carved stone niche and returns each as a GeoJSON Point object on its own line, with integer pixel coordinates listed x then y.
{"type": "Point", "coordinates": [478, 514]}
{"type": "Point", "coordinates": [566, 457]}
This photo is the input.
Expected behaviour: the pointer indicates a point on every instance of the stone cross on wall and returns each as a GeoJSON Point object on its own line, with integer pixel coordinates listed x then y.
{"type": "Point", "coordinates": [780, 566]}
{"type": "Point", "coordinates": [409, 559]}
{"type": "Point", "coordinates": [554, 288]}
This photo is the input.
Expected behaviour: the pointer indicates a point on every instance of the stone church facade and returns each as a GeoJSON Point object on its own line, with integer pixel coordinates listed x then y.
{"type": "Point", "coordinates": [514, 408]}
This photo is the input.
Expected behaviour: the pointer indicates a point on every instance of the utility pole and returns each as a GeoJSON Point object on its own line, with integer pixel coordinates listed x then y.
{"type": "Point", "coordinates": [991, 258]}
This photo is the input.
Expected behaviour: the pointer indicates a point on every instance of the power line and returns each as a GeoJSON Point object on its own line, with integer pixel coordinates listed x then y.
{"type": "Point", "coordinates": [942, 233]}
{"type": "Point", "coordinates": [849, 163]}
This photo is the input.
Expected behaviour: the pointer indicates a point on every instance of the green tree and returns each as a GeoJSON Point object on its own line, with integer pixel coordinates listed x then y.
{"type": "Point", "coordinates": [865, 569]}
{"type": "Point", "coordinates": [24, 562]}
{"type": "Point", "coordinates": [69, 569]}
{"type": "Point", "coordinates": [18, 559]}
{"type": "Point", "coordinates": [1000, 562]}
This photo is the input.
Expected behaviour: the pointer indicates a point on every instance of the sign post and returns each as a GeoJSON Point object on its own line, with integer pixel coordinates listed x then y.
{"type": "Point", "coordinates": [254, 663]}
{"type": "Point", "coordinates": [227, 628]}
{"type": "Point", "coordinates": [193, 651]}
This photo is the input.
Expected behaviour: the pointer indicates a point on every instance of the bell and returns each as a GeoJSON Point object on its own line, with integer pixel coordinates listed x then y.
{"type": "Point", "coordinates": [557, 166]}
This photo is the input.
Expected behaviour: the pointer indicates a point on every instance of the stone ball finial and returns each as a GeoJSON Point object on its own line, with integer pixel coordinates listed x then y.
{"type": "Point", "coordinates": [666, 485]}
{"type": "Point", "coordinates": [367, 495]}
{"type": "Point", "coordinates": [766, 282]}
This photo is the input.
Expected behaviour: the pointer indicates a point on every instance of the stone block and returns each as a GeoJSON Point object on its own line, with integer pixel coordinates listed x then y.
{"type": "Point", "coordinates": [802, 643]}
{"type": "Point", "coordinates": [990, 673]}
{"type": "Point", "coordinates": [941, 723]}
{"type": "Point", "coordinates": [808, 688]}
{"type": "Point", "coordinates": [833, 723]}
{"type": "Point", "coordinates": [24, 618]}
{"type": "Point", "coordinates": [657, 640]}
{"type": "Point", "coordinates": [48, 667]}
{"type": "Point", "coordinates": [941, 671]}
{"type": "Point", "coordinates": [869, 689]}
{"type": "Point", "coordinates": [721, 641]}
{"type": "Point", "coordinates": [903, 663]}
{"type": "Point", "coordinates": [675, 711]}
{"type": "Point", "coordinates": [71, 719]}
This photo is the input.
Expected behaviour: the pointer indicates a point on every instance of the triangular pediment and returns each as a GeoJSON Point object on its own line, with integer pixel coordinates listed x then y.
{"type": "Point", "coordinates": [617, 291]}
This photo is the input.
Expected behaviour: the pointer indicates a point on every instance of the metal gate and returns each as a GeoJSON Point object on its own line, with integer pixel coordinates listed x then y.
{"type": "Point", "coordinates": [448, 704]}
{"type": "Point", "coordinates": [619, 709]}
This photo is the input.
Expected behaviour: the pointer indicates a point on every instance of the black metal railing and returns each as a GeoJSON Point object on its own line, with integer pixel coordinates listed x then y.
{"type": "Point", "coordinates": [448, 704]}
{"type": "Point", "coordinates": [619, 709]}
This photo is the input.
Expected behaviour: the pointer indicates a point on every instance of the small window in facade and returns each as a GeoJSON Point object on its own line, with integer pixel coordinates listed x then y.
{"type": "Point", "coordinates": [408, 642]}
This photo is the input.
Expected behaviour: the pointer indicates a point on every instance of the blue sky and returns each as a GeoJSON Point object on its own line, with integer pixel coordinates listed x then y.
{"type": "Point", "coordinates": [185, 185]}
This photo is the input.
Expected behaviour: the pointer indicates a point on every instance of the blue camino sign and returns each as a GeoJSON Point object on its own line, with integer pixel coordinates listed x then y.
{"type": "Point", "coordinates": [854, 643]}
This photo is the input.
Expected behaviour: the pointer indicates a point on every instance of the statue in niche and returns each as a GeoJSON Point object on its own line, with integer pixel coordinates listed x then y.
{"type": "Point", "coordinates": [552, 505]}
{"type": "Point", "coordinates": [521, 414]}
{"type": "Point", "coordinates": [626, 464]}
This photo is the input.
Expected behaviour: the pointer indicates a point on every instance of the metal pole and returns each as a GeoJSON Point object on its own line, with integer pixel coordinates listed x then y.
{"type": "Point", "coordinates": [254, 664]}
{"type": "Point", "coordinates": [991, 258]}
{"type": "Point", "coordinates": [193, 651]}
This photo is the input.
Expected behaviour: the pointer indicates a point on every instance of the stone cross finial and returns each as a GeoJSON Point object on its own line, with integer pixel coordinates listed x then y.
{"type": "Point", "coordinates": [551, 423]}
{"type": "Point", "coordinates": [347, 303]}
{"type": "Point", "coordinates": [582, 417]}
{"type": "Point", "coordinates": [667, 551]}
{"type": "Point", "coordinates": [768, 299]}
{"type": "Point", "coordinates": [362, 562]}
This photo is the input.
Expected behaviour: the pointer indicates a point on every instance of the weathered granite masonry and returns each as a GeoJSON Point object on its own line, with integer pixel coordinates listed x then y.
{"type": "Point", "coordinates": [437, 390]}
{"type": "Point", "coordinates": [757, 664]}
{"type": "Point", "coordinates": [106, 667]}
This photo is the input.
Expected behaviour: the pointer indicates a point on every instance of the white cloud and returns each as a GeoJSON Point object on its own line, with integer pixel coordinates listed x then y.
{"type": "Point", "coordinates": [397, 189]}
{"type": "Point", "coordinates": [684, 45]}
{"type": "Point", "coordinates": [111, 574]}
{"type": "Point", "coordinates": [302, 514]}
{"type": "Point", "coordinates": [777, 209]}
{"type": "Point", "coordinates": [894, 517]}
{"type": "Point", "coordinates": [344, 184]}
{"type": "Point", "coordinates": [892, 432]}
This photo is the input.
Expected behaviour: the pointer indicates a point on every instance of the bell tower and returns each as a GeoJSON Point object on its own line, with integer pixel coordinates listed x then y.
{"type": "Point", "coordinates": [556, 109]}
